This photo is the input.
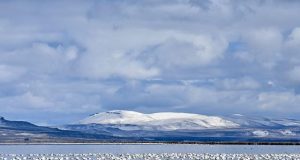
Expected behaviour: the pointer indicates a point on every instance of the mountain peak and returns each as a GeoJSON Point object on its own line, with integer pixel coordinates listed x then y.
{"type": "Point", "coordinates": [115, 117]}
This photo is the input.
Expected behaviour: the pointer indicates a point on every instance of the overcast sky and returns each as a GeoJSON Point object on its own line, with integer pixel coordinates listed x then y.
{"type": "Point", "coordinates": [63, 60]}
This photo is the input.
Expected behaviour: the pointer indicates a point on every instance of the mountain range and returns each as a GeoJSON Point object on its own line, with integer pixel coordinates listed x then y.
{"type": "Point", "coordinates": [131, 126]}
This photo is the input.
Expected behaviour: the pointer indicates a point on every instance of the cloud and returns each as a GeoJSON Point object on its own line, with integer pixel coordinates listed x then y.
{"type": "Point", "coordinates": [185, 51]}
{"type": "Point", "coordinates": [199, 56]}
{"type": "Point", "coordinates": [279, 101]}
{"type": "Point", "coordinates": [138, 57]}
{"type": "Point", "coordinates": [292, 44]}
{"type": "Point", "coordinates": [25, 101]}
{"type": "Point", "coordinates": [10, 73]}
{"type": "Point", "coordinates": [35, 101]}
{"type": "Point", "coordinates": [294, 74]}
{"type": "Point", "coordinates": [244, 83]}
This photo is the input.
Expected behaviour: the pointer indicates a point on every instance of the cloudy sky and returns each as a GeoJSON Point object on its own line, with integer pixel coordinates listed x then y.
{"type": "Point", "coordinates": [63, 60]}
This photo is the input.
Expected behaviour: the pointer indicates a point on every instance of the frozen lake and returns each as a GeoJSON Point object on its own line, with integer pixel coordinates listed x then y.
{"type": "Point", "coordinates": [148, 148]}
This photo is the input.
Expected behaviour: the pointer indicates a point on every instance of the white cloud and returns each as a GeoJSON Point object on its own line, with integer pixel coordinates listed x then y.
{"type": "Point", "coordinates": [294, 74]}
{"type": "Point", "coordinates": [294, 38]}
{"type": "Point", "coordinates": [71, 53]}
{"type": "Point", "coordinates": [292, 46]}
{"type": "Point", "coordinates": [96, 66]}
{"type": "Point", "coordinates": [279, 101]}
{"type": "Point", "coordinates": [26, 101]}
{"type": "Point", "coordinates": [265, 45]}
{"type": "Point", "coordinates": [35, 101]}
{"type": "Point", "coordinates": [10, 73]}
{"type": "Point", "coordinates": [186, 51]}
{"type": "Point", "coordinates": [82, 56]}
{"type": "Point", "coordinates": [131, 59]}
{"type": "Point", "coordinates": [244, 83]}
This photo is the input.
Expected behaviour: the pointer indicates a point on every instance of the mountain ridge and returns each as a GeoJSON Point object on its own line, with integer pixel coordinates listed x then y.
{"type": "Point", "coordinates": [178, 125]}
{"type": "Point", "coordinates": [130, 126]}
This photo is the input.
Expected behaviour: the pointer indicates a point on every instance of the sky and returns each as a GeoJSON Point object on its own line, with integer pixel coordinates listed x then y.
{"type": "Point", "coordinates": [62, 60]}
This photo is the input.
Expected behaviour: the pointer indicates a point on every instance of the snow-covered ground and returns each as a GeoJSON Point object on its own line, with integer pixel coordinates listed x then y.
{"type": "Point", "coordinates": [149, 156]}
{"type": "Point", "coordinates": [261, 133]}
{"type": "Point", "coordinates": [131, 120]}
{"type": "Point", "coordinates": [161, 121]}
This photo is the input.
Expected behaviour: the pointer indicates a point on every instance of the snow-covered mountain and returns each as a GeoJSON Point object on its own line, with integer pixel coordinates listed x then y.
{"type": "Point", "coordinates": [186, 126]}
{"type": "Point", "coordinates": [262, 122]}
{"type": "Point", "coordinates": [167, 121]}
{"type": "Point", "coordinates": [130, 126]}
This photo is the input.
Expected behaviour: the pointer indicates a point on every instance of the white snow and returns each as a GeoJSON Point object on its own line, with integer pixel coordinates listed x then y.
{"type": "Point", "coordinates": [30, 134]}
{"type": "Point", "coordinates": [240, 115]}
{"type": "Point", "coordinates": [288, 133]}
{"type": "Point", "coordinates": [260, 133]}
{"type": "Point", "coordinates": [117, 117]}
{"type": "Point", "coordinates": [24, 134]}
{"type": "Point", "coordinates": [161, 121]}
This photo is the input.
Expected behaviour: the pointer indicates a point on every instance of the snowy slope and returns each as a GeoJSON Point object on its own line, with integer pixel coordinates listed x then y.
{"type": "Point", "coordinates": [261, 122]}
{"type": "Point", "coordinates": [158, 121]}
